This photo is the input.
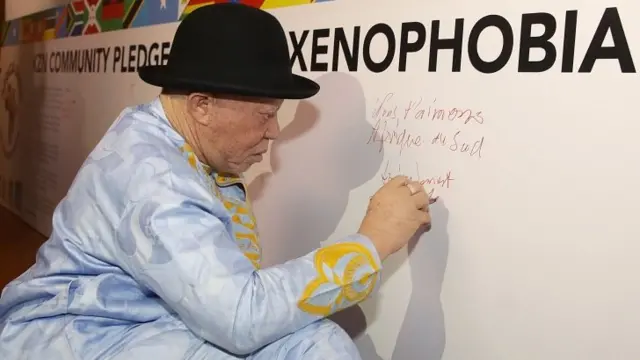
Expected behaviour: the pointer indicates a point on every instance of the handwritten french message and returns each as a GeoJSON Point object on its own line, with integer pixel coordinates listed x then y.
{"type": "Point", "coordinates": [416, 123]}
{"type": "Point", "coordinates": [443, 181]}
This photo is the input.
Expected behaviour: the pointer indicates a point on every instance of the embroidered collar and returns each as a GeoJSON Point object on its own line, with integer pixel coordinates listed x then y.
{"type": "Point", "coordinates": [220, 178]}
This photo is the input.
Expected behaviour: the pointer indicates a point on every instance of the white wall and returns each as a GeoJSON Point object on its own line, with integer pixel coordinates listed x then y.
{"type": "Point", "coordinates": [17, 8]}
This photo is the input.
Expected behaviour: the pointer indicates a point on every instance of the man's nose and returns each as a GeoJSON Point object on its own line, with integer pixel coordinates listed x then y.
{"type": "Point", "coordinates": [273, 131]}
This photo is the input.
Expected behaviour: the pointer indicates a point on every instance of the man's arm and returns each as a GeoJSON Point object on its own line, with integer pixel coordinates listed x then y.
{"type": "Point", "coordinates": [179, 248]}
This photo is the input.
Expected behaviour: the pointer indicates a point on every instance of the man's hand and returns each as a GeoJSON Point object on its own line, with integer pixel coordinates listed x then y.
{"type": "Point", "coordinates": [395, 213]}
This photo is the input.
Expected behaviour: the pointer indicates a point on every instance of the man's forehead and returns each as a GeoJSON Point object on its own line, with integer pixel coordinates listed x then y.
{"type": "Point", "coordinates": [254, 102]}
{"type": "Point", "coordinates": [267, 102]}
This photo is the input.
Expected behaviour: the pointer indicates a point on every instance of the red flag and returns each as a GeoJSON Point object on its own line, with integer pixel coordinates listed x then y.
{"type": "Point", "coordinates": [253, 3]}
{"type": "Point", "coordinates": [112, 9]}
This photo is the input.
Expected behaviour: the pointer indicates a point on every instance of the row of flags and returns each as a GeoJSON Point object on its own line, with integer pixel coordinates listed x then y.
{"type": "Point", "coordinates": [84, 17]}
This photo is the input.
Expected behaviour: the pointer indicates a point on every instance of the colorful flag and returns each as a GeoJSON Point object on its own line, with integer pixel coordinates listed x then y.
{"type": "Point", "coordinates": [29, 30]}
{"type": "Point", "coordinates": [12, 33]}
{"type": "Point", "coordinates": [154, 12]}
{"type": "Point", "coordinates": [253, 3]}
{"type": "Point", "coordinates": [50, 23]}
{"type": "Point", "coordinates": [91, 12]}
{"type": "Point", "coordinates": [112, 9]}
{"type": "Point", "coordinates": [117, 14]}
{"type": "Point", "coordinates": [132, 13]}
{"type": "Point", "coordinates": [61, 22]}
{"type": "Point", "coordinates": [50, 29]}
{"type": "Point", "coordinates": [272, 4]}
{"type": "Point", "coordinates": [76, 18]}
{"type": "Point", "coordinates": [194, 4]}
{"type": "Point", "coordinates": [183, 5]}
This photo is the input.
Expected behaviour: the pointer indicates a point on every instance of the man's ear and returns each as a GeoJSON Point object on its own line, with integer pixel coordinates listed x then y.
{"type": "Point", "coordinates": [199, 106]}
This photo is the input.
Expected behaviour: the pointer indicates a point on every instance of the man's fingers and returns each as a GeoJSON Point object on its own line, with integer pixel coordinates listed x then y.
{"type": "Point", "coordinates": [399, 181]}
{"type": "Point", "coordinates": [423, 217]}
{"type": "Point", "coordinates": [415, 187]}
{"type": "Point", "coordinates": [421, 199]}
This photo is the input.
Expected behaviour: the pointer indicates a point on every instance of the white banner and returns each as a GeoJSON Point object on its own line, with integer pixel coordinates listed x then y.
{"type": "Point", "coordinates": [518, 115]}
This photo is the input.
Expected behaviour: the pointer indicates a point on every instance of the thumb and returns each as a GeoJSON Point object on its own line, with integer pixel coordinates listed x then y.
{"type": "Point", "coordinates": [399, 181]}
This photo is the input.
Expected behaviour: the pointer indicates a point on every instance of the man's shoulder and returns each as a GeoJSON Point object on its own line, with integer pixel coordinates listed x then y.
{"type": "Point", "coordinates": [139, 153]}
{"type": "Point", "coordinates": [136, 162]}
{"type": "Point", "coordinates": [137, 137]}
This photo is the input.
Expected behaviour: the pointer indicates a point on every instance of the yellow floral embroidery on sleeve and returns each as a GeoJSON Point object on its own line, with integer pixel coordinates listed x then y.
{"type": "Point", "coordinates": [245, 231]}
{"type": "Point", "coordinates": [349, 266]}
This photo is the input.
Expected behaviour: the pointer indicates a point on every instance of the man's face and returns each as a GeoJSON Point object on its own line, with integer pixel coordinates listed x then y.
{"type": "Point", "coordinates": [234, 133]}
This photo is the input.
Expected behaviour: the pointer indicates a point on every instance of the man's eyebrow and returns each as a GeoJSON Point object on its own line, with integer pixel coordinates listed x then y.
{"type": "Point", "coordinates": [270, 108]}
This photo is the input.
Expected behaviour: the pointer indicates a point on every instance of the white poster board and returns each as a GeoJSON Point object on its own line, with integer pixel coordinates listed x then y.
{"type": "Point", "coordinates": [533, 252]}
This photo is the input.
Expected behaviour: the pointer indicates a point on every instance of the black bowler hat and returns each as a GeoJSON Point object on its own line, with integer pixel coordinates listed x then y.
{"type": "Point", "coordinates": [230, 49]}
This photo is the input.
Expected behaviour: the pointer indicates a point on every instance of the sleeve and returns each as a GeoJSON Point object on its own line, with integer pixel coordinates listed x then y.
{"type": "Point", "coordinates": [174, 243]}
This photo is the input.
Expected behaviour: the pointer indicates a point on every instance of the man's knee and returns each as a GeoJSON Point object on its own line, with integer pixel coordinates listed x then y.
{"type": "Point", "coordinates": [325, 330]}
{"type": "Point", "coordinates": [325, 339]}
{"type": "Point", "coordinates": [321, 340]}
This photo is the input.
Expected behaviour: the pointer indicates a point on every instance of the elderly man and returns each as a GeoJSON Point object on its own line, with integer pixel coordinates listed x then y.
{"type": "Point", "coordinates": [154, 252]}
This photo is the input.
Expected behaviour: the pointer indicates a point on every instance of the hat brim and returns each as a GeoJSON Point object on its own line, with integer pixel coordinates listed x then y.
{"type": "Point", "coordinates": [162, 76]}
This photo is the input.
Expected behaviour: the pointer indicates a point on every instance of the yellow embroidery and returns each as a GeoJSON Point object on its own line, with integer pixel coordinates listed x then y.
{"type": "Point", "coordinates": [244, 222]}
{"type": "Point", "coordinates": [227, 180]}
{"type": "Point", "coordinates": [248, 243]}
{"type": "Point", "coordinates": [201, 168]}
{"type": "Point", "coordinates": [337, 266]}
{"type": "Point", "coordinates": [193, 159]}
{"type": "Point", "coordinates": [191, 156]}
{"type": "Point", "coordinates": [245, 231]}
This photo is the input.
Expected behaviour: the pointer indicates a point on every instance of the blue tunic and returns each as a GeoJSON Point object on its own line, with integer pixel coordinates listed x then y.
{"type": "Point", "coordinates": [153, 255]}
